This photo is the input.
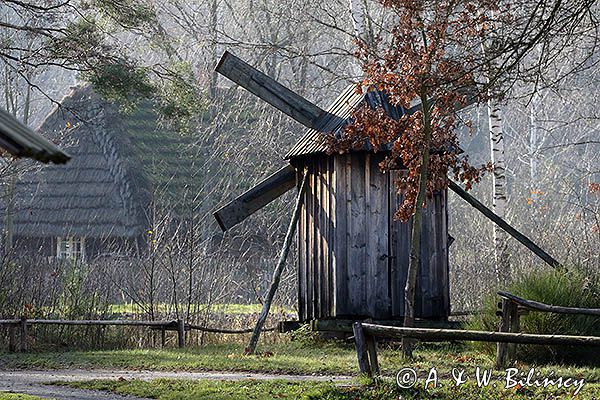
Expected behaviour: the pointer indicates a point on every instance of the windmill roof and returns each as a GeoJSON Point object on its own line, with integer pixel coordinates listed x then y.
{"type": "Point", "coordinates": [338, 116]}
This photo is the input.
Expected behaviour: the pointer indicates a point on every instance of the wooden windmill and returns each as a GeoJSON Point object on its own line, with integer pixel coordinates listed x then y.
{"type": "Point", "coordinates": [352, 255]}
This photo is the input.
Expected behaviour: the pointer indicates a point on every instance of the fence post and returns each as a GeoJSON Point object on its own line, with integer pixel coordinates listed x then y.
{"type": "Point", "coordinates": [23, 325]}
{"type": "Point", "coordinates": [12, 337]}
{"type": "Point", "coordinates": [181, 333]}
{"type": "Point", "coordinates": [372, 349]}
{"type": "Point", "coordinates": [163, 338]}
{"type": "Point", "coordinates": [361, 349]}
{"type": "Point", "coordinates": [514, 327]}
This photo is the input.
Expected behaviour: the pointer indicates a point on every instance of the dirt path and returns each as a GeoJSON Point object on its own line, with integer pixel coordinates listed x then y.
{"type": "Point", "coordinates": [32, 382]}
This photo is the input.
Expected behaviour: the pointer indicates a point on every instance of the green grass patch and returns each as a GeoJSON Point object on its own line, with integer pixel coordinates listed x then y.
{"type": "Point", "coordinates": [169, 389]}
{"type": "Point", "coordinates": [231, 308]}
{"type": "Point", "coordinates": [292, 358]}
{"type": "Point", "coordinates": [572, 289]}
{"type": "Point", "coordinates": [17, 396]}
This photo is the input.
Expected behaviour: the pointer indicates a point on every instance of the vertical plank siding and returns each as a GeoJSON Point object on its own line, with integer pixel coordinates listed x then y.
{"type": "Point", "coordinates": [353, 256]}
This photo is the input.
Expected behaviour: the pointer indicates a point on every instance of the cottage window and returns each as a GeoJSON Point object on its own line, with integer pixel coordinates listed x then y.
{"type": "Point", "coordinates": [70, 248]}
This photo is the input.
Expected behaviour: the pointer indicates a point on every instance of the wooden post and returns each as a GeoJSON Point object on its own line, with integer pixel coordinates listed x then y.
{"type": "Point", "coordinates": [12, 337]}
{"type": "Point", "coordinates": [181, 333]}
{"type": "Point", "coordinates": [501, 347]}
{"type": "Point", "coordinates": [362, 351]}
{"type": "Point", "coordinates": [163, 337]}
{"type": "Point", "coordinates": [278, 270]}
{"type": "Point", "coordinates": [372, 348]}
{"type": "Point", "coordinates": [514, 327]}
{"type": "Point", "coordinates": [23, 325]}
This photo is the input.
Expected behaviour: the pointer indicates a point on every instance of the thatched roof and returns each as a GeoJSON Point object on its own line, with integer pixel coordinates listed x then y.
{"type": "Point", "coordinates": [119, 162]}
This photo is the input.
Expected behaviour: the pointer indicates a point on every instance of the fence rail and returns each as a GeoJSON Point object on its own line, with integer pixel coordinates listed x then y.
{"type": "Point", "coordinates": [23, 324]}
{"type": "Point", "coordinates": [507, 338]}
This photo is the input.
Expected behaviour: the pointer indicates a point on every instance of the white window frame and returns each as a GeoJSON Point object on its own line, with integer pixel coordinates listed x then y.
{"type": "Point", "coordinates": [69, 251]}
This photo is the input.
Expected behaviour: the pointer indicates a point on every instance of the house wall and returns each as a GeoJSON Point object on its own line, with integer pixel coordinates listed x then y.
{"type": "Point", "coordinates": [352, 254]}
{"type": "Point", "coordinates": [46, 247]}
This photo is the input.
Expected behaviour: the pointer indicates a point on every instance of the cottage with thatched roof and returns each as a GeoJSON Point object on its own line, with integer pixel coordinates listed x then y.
{"type": "Point", "coordinates": [103, 199]}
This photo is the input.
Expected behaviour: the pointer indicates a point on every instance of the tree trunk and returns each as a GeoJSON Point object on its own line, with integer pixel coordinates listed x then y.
{"type": "Point", "coordinates": [214, 18]}
{"type": "Point", "coordinates": [499, 201]}
{"type": "Point", "coordinates": [417, 227]}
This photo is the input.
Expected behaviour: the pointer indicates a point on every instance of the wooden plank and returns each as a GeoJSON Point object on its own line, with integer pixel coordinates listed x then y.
{"type": "Point", "coordinates": [537, 306]}
{"type": "Point", "coordinates": [524, 240]}
{"type": "Point", "coordinates": [357, 243]}
{"type": "Point", "coordinates": [400, 249]}
{"type": "Point", "coordinates": [340, 252]}
{"type": "Point", "coordinates": [330, 235]}
{"type": "Point", "coordinates": [316, 235]}
{"type": "Point", "coordinates": [310, 246]}
{"type": "Point", "coordinates": [270, 91]}
{"type": "Point", "coordinates": [302, 256]}
{"type": "Point", "coordinates": [377, 241]}
{"type": "Point", "coordinates": [323, 228]}
{"type": "Point", "coordinates": [256, 198]}
{"type": "Point", "coordinates": [426, 334]}
{"type": "Point", "coordinates": [361, 350]}
{"type": "Point", "coordinates": [345, 325]}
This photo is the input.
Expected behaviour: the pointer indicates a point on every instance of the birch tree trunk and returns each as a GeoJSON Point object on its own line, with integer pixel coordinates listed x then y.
{"type": "Point", "coordinates": [499, 195]}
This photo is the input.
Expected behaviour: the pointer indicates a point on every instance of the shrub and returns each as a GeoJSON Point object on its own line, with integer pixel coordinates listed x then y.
{"type": "Point", "coordinates": [572, 289]}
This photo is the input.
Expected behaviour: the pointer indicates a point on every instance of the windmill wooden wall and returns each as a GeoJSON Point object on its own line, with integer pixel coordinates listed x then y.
{"type": "Point", "coordinates": [352, 254]}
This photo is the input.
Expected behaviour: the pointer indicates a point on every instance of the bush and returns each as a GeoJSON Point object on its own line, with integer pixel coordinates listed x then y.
{"type": "Point", "coordinates": [571, 289]}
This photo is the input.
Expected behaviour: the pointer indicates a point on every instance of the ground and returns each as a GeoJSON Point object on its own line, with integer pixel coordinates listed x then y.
{"type": "Point", "coordinates": [313, 370]}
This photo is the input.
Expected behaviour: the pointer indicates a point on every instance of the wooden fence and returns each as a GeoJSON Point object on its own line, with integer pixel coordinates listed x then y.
{"type": "Point", "coordinates": [507, 338]}
{"type": "Point", "coordinates": [22, 326]}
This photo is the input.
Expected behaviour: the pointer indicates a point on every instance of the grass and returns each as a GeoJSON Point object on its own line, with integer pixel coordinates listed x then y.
{"type": "Point", "coordinates": [292, 358]}
{"type": "Point", "coordinates": [573, 289]}
{"type": "Point", "coordinates": [17, 396]}
{"type": "Point", "coordinates": [228, 308]}
{"type": "Point", "coordinates": [170, 389]}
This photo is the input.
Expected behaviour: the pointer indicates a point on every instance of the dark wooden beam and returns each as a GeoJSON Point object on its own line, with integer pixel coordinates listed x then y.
{"type": "Point", "coordinates": [270, 90]}
{"type": "Point", "coordinates": [256, 198]}
{"type": "Point", "coordinates": [524, 240]}
{"type": "Point", "coordinates": [537, 306]}
{"type": "Point", "coordinates": [435, 335]}
{"type": "Point", "coordinates": [20, 141]}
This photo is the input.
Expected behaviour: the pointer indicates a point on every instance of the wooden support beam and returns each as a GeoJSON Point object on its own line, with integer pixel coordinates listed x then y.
{"type": "Point", "coordinates": [264, 313]}
{"type": "Point", "coordinates": [537, 306]}
{"type": "Point", "coordinates": [270, 90]}
{"type": "Point", "coordinates": [372, 349]}
{"type": "Point", "coordinates": [524, 240]}
{"type": "Point", "coordinates": [345, 325]}
{"type": "Point", "coordinates": [362, 351]}
{"type": "Point", "coordinates": [256, 198]}
{"type": "Point", "coordinates": [394, 332]}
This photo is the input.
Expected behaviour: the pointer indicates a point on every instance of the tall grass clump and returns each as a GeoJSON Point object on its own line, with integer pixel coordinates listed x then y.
{"type": "Point", "coordinates": [574, 288]}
